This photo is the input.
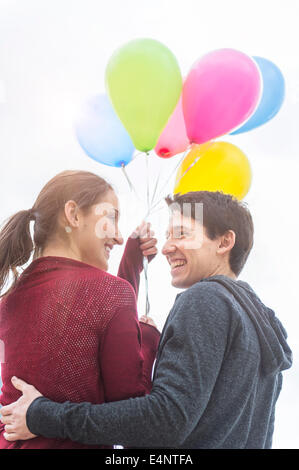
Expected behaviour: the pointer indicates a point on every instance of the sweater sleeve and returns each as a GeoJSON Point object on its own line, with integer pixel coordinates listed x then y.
{"type": "Point", "coordinates": [150, 343]}
{"type": "Point", "coordinates": [131, 264]}
{"type": "Point", "coordinates": [127, 356]}
{"type": "Point", "coordinates": [192, 350]}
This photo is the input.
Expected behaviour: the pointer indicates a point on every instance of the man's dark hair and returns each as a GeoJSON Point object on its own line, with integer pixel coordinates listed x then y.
{"type": "Point", "coordinates": [222, 212]}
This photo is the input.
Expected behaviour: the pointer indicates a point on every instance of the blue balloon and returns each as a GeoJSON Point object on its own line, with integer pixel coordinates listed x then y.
{"type": "Point", "coordinates": [272, 96]}
{"type": "Point", "coordinates": [102, 135]}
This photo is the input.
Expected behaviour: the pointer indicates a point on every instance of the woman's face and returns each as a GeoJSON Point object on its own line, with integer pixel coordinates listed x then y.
{"type": "Point", "coordinates": [98, 231]}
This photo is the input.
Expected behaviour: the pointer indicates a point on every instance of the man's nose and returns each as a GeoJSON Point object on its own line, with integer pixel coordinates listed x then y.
{"type": "Point", "coordinates": [168, 248]}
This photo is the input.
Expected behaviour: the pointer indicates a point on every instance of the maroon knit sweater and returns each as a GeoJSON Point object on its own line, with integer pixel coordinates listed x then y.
{"type": "Point", "coordinates": [72, 331]}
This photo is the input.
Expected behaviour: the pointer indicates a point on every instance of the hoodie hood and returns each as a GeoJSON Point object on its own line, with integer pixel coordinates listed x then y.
{"type": "Point", "coordinates": [276, 354]}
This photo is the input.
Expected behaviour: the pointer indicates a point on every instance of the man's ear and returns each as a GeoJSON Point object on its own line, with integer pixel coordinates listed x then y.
{"type": "Point", "coordinates": [227, 242]}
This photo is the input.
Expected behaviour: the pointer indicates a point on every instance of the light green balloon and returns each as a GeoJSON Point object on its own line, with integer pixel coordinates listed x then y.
{"type": "Point", "coordinates": [144, 83]}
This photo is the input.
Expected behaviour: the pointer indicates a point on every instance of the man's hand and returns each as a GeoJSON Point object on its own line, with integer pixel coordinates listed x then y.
{"type": "Point", "coordinates": [14, 415]}
{"type": "Point", "coordinates": [148, 321]}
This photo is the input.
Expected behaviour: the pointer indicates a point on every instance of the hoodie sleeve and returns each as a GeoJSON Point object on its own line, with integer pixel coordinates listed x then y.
{"type": "Point", "coordinates": [190, 357]}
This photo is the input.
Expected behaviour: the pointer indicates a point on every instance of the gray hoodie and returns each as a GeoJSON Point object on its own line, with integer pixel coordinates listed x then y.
{"type": "Point", "coordinates": [215, 385]}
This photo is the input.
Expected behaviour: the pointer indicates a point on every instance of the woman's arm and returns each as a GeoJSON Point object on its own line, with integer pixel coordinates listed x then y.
{"type": "Point", "coordinates": [127, 353]}
{"type": "Point", "coordinates": [140, 243]}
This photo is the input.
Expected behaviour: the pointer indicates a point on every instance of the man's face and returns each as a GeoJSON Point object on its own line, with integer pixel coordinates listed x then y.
{"type": "Point", "coordinates": [191, 254]}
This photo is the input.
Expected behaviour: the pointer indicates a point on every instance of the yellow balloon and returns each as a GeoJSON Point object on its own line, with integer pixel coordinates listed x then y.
{"type": "Point", "coordinates": [215, 166]}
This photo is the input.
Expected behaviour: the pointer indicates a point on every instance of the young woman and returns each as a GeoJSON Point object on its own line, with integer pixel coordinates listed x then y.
{"type": "Point", "coordinates": [68, 326]}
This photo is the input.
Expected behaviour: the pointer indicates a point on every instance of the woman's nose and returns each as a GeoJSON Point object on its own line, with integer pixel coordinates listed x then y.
{"type": "Point", "coordinates": [118, 238]}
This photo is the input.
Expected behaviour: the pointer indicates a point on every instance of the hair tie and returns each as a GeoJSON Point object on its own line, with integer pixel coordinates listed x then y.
{"type": "Point", "coordinates": [31, 214]}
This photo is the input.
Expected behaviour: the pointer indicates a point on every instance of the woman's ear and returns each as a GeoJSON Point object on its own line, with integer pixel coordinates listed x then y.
{"type": "Point", "coordinates": [71, 211]}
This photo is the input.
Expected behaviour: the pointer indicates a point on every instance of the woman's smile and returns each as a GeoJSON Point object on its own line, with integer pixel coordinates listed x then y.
{"type": "Point", "coordinates": [108, 248]}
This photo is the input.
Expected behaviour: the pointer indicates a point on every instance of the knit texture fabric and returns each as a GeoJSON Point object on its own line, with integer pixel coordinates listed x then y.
{"type": "Point", "coordinates": [72, 331]}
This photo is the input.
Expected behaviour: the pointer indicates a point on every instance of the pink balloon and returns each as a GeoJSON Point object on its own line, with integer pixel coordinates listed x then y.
{"type": "Point", "coordinates": [221, 91]}
{"type": "Point", "coordinates": [174, 138]}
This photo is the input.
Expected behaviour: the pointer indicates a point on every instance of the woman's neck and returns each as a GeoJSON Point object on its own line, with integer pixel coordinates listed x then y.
{"type": "Point", "coordinates": [54, 249]}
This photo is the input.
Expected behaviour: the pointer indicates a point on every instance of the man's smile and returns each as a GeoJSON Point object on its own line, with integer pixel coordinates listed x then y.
{"type": "Point", "coordinates": [176, 264]}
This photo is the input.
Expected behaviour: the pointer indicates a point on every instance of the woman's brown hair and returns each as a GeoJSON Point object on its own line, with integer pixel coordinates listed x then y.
{"type": "Point", "coordinates": [16, 243]}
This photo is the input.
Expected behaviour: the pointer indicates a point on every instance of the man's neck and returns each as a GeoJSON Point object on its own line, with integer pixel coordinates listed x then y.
{"type": "Point", "coordinates": [224, 271]}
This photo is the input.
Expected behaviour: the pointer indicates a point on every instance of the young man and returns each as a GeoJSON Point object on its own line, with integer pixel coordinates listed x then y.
{"type": "Point", "coordinates": [218, 370]}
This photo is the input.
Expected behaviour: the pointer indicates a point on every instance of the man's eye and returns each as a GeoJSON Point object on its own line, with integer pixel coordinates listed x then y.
{"type": "Point", "coordinates": [178, 234]}
{"type": "Point", "coordinates": [184, 235]}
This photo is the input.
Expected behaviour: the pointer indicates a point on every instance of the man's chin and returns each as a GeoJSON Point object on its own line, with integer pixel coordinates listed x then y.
{"type": "Point", "coordinates": [179, 283]}
{"type": "Point", "coordinates": [185, 282]}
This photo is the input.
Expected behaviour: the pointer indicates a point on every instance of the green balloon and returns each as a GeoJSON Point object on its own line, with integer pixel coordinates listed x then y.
{"type": "Point", "coordinates": [144, 83]}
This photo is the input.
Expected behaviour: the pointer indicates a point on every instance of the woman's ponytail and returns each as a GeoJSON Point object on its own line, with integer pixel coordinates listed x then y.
{"type": "Point", "coordinates": [16, 245]}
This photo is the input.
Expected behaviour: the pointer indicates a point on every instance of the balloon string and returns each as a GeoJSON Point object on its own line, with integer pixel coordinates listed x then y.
{"type": "Point", "coordinates": [145, 268]}
{"type": "Point", "coordinates": [195, 161]}
{"type": "Point", "coordinates": [138, 153]}
{"type": "Point", "coordinates": [147, 178]}
{"type": "Point", "coordinates": [145, 259]}
{"type": "Point", "coordinates": [166, 181]}
{"type": "Point", "coordinates": [155, 189]}
{"type": "Point", "coordinates": [189, 168]}
{"type": "Point", "coordinates": [131, 186]}
{"type": "Point", "coordinates": [177, 165]}
{"type": "Point", "coordinates": [158, 209]}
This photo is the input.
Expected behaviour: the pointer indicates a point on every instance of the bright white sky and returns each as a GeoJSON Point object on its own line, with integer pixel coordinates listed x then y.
{"type": "Point", "coordinates": [53, 55]}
